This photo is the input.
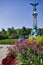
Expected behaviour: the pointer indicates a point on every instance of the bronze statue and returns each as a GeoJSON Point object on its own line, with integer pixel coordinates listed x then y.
{"type": "Point", "coordinates": [34, 5]}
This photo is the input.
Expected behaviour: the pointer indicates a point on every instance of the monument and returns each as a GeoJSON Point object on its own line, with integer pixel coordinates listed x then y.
{"type": "Point", "coordinates": [35, 31]}
{"type": "Point", "coordinates": [21, 38]}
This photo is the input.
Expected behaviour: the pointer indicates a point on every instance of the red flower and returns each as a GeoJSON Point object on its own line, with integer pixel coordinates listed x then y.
{"type": "Point", "coordinates": [4, 61]}
{"type": "Point", "coordinates": [14, 61]}
{"type": "Point", "coordinates": [7, 60]}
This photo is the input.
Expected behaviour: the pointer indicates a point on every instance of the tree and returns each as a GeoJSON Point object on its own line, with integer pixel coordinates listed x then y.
{"type": "Point", "coordinates": [23, 31]}
{"type": "Point", "coordinates": [9, 31]}
{"type": "Point", "coordinates": [41, 31]}
{"type": "Point", "coordinates": [12, 33]}
{"type": "Point", "coordinates": [3, 34]}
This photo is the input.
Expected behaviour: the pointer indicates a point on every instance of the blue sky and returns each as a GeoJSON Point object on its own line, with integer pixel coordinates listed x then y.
{"type": "Point", "coordinates": [18, 13]}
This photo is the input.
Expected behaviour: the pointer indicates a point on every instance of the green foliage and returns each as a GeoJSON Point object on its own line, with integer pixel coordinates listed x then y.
{"type": "Point", "coordinates": [3, 34]}
{"type": "Point", "coordinates": [12, 33]}
{"type": "Point", "coordinates": [37, 39]}
{"type": "Point", "coordinates": [8, 41]}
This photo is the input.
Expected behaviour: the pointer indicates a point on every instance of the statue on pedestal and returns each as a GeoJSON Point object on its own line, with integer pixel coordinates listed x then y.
{"type": "Point", "coordinates": [35, 31]}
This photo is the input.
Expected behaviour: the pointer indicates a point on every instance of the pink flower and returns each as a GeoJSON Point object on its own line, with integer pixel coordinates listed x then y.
{"type": "Point", "coordinates": [38, 52]}
{"type": "Point", "coordinates": [23, 51]}
{"type": "Point", "coordinates": [25, 41]}
{"type": "Point", "coordinates": [10, 48]}
{"type": "Point", "coordinates": [29, 46]}
{"type": "Point", "coordinates": [18, 49]}
{"type": "Point", "coordinates": [30, 59]}
{"type": "Point", "coordinates": [19, 44]}
{"type": "Point", "coordinates": [14, 44]}
{"type": "Point", "coordinates": [34, 47]}
{"type": "Point", "coordinates": [42, 47]}
{"type": "Point", "coordinates": [38, 43]}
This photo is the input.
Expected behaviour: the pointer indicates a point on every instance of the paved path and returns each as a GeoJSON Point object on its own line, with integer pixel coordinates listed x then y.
{"type": "Point", "coordinates": [3, 51]}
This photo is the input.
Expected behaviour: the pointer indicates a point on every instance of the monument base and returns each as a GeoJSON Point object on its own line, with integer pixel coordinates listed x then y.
{"type": "Point", "coordinates": [35, 32]}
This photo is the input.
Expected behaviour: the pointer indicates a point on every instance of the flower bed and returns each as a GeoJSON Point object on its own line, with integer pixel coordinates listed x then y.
{"type": "Point", "coordinates": [29, 53]}
{"type": "Point", "coordinates": [10, 59]}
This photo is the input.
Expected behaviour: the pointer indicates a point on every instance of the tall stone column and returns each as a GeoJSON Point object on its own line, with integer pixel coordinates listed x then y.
{"type": "Point", "coordinates": [35, 20]}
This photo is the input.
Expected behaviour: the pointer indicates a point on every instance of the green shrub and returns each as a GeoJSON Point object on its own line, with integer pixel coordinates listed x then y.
{"type": "Point", "coordinates": [36, 39]}
{"type": "Point", "coordinates": [8, 41]}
